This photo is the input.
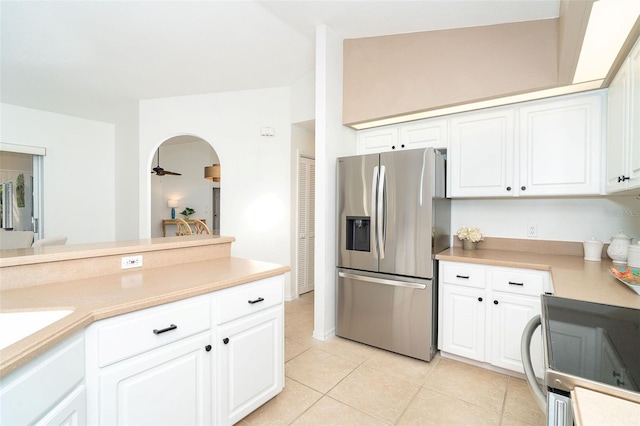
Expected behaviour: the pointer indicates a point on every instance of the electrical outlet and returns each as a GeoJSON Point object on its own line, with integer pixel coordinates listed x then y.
{"type": "Point", "coordinates": [132, 262]}
{"type": "Point", "coordinates": [532, 231]}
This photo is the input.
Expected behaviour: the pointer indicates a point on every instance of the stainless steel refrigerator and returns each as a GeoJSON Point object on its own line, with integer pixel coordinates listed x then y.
{"type": "Point", "coordinates": [393, 217]}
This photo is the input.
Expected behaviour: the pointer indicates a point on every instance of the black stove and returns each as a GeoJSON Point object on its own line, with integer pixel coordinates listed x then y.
{"type": "Point", "coordinates": [591, 345]}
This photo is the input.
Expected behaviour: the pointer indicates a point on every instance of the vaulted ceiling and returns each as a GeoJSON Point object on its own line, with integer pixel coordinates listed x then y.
{"type": "Point", "coordinates": [88, 58]}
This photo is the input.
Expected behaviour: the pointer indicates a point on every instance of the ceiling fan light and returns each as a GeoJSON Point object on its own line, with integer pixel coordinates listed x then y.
{"type": "Point", "coordinates": [212, 172]}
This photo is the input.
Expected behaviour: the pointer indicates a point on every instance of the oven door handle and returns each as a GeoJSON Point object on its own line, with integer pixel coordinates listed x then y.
{"type": "Point", "coordinates": [525, 351]}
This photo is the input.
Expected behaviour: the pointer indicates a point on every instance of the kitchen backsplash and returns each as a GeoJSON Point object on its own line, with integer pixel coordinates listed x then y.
{"type": "Point", "coordinates": [562, 219]}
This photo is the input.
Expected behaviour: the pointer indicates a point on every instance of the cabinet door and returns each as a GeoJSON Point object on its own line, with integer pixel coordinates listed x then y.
{"type": "Point", "coordinates": [380, 139]}
{"type": "Point", "coordinates": [560, 144]}
{"type": "Point", "coordinates": [463, 321]}
{"type": "Point", "coordinates": [72, 411]}
{"type": "Point", "coordinates": [30, 392]}
{"type": "Point", "coordinates": [509, 315]}
{"type": "Point", "coordinates": [633, 150]}
{"type": "Point", "coordinates": [424, 134]}
{"type": "Point", "coordinates": [250, 364]}
{"type": "Point", "coordinates": [617, 129]}
{"type": "Point", "coordinates": [170, 385]}
{"type": "Point", "coordinates": [482, 153]}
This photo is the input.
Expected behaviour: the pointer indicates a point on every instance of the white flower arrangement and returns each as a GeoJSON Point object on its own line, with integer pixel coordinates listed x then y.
{"type": "Point", "coordinates": [470, 234]}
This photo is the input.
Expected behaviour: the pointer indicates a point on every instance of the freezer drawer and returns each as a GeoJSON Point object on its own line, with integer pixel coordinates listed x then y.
{"type": "Point", "coordinates": [388, 312]}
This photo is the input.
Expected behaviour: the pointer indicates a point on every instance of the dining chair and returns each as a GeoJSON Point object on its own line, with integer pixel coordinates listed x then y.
{"type": "Point", "coordinates": [201, 227]}
{"type": "Point", "coordinates": [183, 227]}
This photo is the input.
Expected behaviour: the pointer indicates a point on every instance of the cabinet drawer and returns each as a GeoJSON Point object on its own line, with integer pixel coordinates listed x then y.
{"type": "Point", "coordinates": [131, 334]}
{"type": "Point", "coordinates": [517, 282]}
{"type": "Point", "coordinates": [463, 275]}
{"type": "Point", "coordinates": [248, 298]}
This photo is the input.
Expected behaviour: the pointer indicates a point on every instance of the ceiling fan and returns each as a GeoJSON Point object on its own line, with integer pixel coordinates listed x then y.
{"type": "Point", "coordinates": [160, 171]}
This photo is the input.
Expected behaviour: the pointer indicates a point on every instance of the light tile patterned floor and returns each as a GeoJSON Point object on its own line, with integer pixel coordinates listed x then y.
{"type": "Point", "coordinates": [341, 382]}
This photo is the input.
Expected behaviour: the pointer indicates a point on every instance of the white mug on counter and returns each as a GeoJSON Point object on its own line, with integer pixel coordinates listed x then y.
{"type": "Point", "coordinates": [633, 258]}
{"type": "Point", "coordinates": [592, 249]}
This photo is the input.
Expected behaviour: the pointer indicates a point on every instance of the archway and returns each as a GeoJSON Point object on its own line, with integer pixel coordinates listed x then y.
{"type": "Point", "coordinates": [185, 157]}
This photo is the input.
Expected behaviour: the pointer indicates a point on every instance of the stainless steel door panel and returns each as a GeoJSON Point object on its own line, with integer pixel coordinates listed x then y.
{"type": "Point", "coordinates": [408, 212]}
{"type": "Point", "coordinates": [356, 198]}
{"type": "Point", "coordinates": [397, 318]}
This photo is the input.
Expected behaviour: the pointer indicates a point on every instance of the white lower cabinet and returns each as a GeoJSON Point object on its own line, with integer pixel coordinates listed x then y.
{"type": "Point", "coordinates": [72, 411]}
{"type": "Point", "coordinates": [249, 347]}
{"type": "Point", "coordinates": [210, 359]}
{"type": "Point", "coordinates": [483, 310]}
{"type": "Point", "coordinates": [48, 390]}
{"type": "Point", "coordinates": [509, 315]}
{"type": "Point", "coordinates": [152, 366]}
{"type": "Point", "coordinates": [166, 386]}
{"type": "Point", "coordinates": [250, 364]}
{"type": "Point", "coordinates": [463, 329]}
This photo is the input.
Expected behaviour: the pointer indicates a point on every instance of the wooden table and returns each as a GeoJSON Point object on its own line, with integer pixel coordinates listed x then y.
{"type": "Point", "coordinates": [166, 222]}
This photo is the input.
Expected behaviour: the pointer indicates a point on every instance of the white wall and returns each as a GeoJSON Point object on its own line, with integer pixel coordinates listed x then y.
{"type": "Point", "coordinates": [565, 219]}
{"type": "Point", "coordinates": [255, 182]}
{"type": "Point", "coordinates": [126, 173]}
{"type": "Point", "coordinates": [332, 140]}
{"type": "Point", "coordinates": [78, 170]}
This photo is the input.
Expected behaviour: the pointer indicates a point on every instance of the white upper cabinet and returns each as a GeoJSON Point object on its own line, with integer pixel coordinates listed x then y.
{"type": "Point", "coordinates": [430, 133]}
{"type": "Point", "coordinates": [623, 126]}
{"type": "Point", "coordinates": [542, 148]}
{"type": "Point", "coordinates": [560, 146]}
{"type": "Point", "coordinates": [481, 154]}
{"type": "Point", "coordinates": [424, 134]}
{"type": "Point", "coordinates": [377, 140]}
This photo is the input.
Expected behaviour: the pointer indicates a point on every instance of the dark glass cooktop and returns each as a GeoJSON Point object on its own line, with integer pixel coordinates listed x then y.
{"type": "Point", "coordinates": [593, 341]}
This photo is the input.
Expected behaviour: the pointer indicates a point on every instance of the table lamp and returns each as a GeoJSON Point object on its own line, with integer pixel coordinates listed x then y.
{"type": "Point", "coordinates": [173, 204]}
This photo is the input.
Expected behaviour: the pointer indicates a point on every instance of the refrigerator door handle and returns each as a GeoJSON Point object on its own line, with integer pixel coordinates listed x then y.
{"type": "Point", "coordinates": [380, 213]}
{"type": "Point", "coordinates": [382, 281]}
{"type": "Point", "coordinates": [374, 210]}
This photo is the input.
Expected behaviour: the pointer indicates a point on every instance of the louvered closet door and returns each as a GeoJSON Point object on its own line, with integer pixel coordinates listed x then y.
{"type": "Point", "coordinates": [306, 224]}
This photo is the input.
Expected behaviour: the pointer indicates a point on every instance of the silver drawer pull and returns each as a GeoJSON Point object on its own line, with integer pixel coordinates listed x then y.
{"type": "Point", "coordinates": [513, 283]}
{"type": "Point", "coordinates": [171, 327]}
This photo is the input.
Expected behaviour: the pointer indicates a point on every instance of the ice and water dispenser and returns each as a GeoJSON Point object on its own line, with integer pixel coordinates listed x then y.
{"type": "Point", "coordinates": [358, 233]}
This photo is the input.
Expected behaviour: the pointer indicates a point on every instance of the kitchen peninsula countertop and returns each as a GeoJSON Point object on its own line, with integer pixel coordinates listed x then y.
{"type": "Point", "coordinates": [571, 275]}
{"type": "Point", "coordinates": [97, 297]}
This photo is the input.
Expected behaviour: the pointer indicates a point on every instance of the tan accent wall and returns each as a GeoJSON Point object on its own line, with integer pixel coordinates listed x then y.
{"type": "Point", "coordinates": [399, 74]}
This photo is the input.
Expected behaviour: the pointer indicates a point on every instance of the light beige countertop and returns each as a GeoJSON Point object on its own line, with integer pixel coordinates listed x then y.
{"type": "Point", "coordinates": [572, 276]}
{"type": "Point", "coordinates": [595, 409]}
{"type": "Point", "coordinates": [97, 297]}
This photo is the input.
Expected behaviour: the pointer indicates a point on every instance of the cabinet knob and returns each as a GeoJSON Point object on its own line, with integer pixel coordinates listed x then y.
{"type": "Point", "coordinates": [225, 340]}
{"type": "Point", "coordinates": [495, 302]}
{"type": "Point", "coordinates": [479, 299]}
{"type": "Point", "coordinates": [393, 147]}
{"type": "Point", "coordinates": [508, 188]}
{"type": "Point", "coordinates": [524, 188]}
{"type": "Point", "coordinates": [207, 348]}
{"type": "Point", "coordinates": [402, 146]}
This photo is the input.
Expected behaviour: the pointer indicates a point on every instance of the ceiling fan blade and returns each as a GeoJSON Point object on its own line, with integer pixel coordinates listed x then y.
{"type": "Point", "coordinates": [160, 171]}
